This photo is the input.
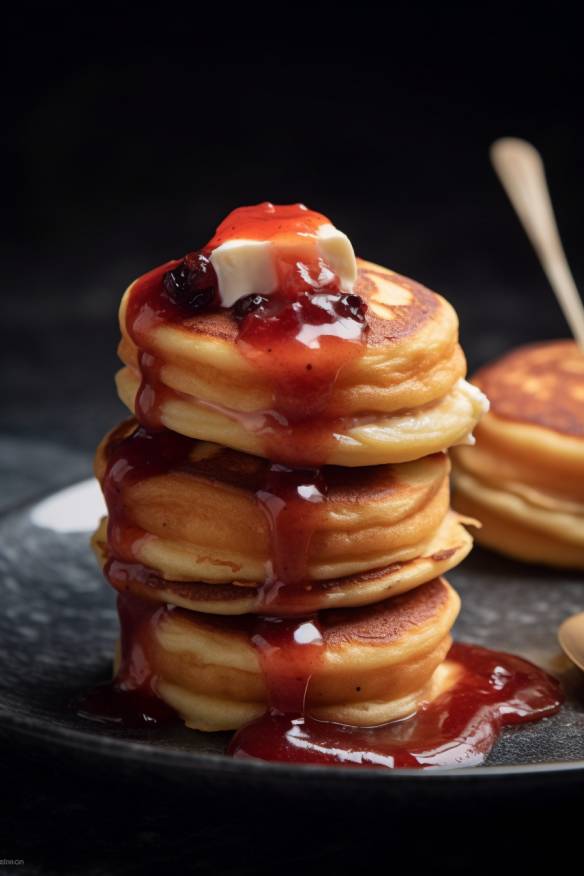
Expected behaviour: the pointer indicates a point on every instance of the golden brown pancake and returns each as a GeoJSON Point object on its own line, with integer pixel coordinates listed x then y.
{"type": "Point", "coordinates": [378, 663]}
{"type": "Point", "coordinates": [200, 519]}
{"type": "Point", "coordinates": [540, 384]}
{"type": "Point", "coordinates": [403, 398]}
{"type": "Point", "coordinates": [445, 549]}
{"type": "Point", "coordinates": [509, 528]}
{"type": "Point", "coordinates": [525, 478]}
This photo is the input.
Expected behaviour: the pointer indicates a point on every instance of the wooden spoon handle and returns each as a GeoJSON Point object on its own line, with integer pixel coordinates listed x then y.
{"type": "Point", "coordinates": [520, 168]}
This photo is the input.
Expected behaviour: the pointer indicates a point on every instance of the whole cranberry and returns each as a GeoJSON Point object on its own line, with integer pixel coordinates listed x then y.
{"type": "Point", "coordinates": [193, 283]}
{"type": "Point", "coordinates": [249, 304]}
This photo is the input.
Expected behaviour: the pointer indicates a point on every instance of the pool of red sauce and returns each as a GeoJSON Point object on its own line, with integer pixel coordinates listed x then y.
{"type": "Point", "coordinates": [459, 728]}
{"type": "Point", "coordinates": [299, 343]}
{"type": "Point", "coordinates": [301, 348]}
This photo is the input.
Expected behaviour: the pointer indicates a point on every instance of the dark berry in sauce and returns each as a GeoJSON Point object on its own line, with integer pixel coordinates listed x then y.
{"type": "Point", "coordinates": [249, 304]}
{"type": "Point", "coordinates": [351, 307]}
{"type": "Point", "coordinates": [193, 283]}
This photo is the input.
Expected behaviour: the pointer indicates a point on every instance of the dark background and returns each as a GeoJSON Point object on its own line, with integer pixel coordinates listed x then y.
{"type": "Point", "coordinates": [129, 137]}
{"type": "Point", "coordinates": [128, 134]}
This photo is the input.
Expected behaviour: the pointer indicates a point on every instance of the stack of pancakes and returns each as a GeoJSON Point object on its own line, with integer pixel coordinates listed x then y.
{"type": "Point", "coordinates": [524, 479]}
{"type": "Point", "coordinates": [192, 530]}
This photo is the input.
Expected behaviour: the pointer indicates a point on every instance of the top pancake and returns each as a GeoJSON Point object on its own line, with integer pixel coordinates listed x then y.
{"type": "Point", "coordinates": [533, 435]}
{"type": "Point", "coordinates": [400, 398]}
{"type": "Point", "coordinates": [398, 308]}
{"type": "Point", "coordinates": [539, 384]}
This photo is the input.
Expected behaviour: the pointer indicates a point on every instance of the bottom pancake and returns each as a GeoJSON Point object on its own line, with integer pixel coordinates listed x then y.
{"type": "Point", "coordinates": [374, 664]}
{"type": "Point", "coordinates": [521, 524]}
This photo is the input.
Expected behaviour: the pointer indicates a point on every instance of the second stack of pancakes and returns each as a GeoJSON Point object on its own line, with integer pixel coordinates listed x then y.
{"type": "Point", "coordinates": [247, 488]}
{"type": "Point", "coordinates": [525, 478]}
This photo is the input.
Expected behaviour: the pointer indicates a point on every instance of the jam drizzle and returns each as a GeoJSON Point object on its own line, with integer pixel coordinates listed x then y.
{"type": "Point", "coordinates": [298, 339]}
{"type": "Point", "coordinates": [132, 455]}
{"type": "Point", "coordinates": [301, 345]}
{"type": "Point", "coordinates": [292, 501]}
{"type": "Point", "coordinates": [130, 700]}
{"type": "Point", "coordinates": [149, 307]}
{"type": "Point", "coordinates": [266, 221]}
{"type": "Point", "coordinates": [457, 729]}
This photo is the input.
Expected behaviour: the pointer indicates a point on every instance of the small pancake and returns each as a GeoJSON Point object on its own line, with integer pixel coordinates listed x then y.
{"type": "Point", "coordinates": [524, 479]}
{"type": "Point", "coordinates": [496, 462]}
{"type": "Point", "coordinates": [541, 385]}
{"type": "Point", "coordinates": [446, 549]}
{"type": "Point", "coordinates": [403, 398]}
{"type": "Point", "coordinates": [201, 520]}
{"type": "Point", "coordinates": [521, 527]}
{"type": "Point", "coordinates": [377, 663]}
{"type": "Point", "coordinates": [536, 421]}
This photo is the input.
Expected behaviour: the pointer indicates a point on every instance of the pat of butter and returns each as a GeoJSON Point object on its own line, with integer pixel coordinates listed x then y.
{"type": "Point", "coordinates": [244, 267]}
{"type": "Point", "coordinates": [249, 267]}
{"type": "Point", "coordinates": [337, 251]}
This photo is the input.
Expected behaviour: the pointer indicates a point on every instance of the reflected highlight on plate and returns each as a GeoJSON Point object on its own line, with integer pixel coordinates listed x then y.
{"type": "Point", "coordinates": [74, 509]}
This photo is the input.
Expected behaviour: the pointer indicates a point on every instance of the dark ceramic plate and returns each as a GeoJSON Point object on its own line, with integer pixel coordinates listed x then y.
{"type": "Point", "coordinates": [58, 626]}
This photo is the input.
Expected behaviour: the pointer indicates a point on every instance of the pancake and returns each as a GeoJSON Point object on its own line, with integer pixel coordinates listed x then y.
{"type": "Point", "coordinates": [400, 396]}
{"type": "Point", "coordinates": [445, 549]}
{"type": "Point", "coordinates": [535, 427]}
{"type": "Point", "coordinates": [523, 529]}
{"type": "Point", "coordinates": [205, 513]}
{"type": "Point", "coordinates": [377, 663]}
{"type": "Point", "coordinates": [525, 478]}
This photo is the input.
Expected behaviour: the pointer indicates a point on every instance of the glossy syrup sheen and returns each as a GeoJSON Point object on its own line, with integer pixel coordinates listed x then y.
{"type": "Point", "coordinates": [299, 341]}
{"type": "Point", "coordinates": [266, 221]}
{"type": "Point", "coordinates": [130, 699]}
{"type": "Point", "coordinates": [291, 499]}
{"type": "Point", "coordinates": [149, 307]}
{"type": "Point", "coordinates": [134, 454]}
{"type": "Point", "coordinates": [457, 729]}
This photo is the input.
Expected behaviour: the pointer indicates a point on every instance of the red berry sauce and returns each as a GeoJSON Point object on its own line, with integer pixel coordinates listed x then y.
{"type": "Point", "coordinates": [457, 729]}
{"type": "Point", "coordinates": [130, 699]}
{"type": "Point", "coordinates": [299, 338]}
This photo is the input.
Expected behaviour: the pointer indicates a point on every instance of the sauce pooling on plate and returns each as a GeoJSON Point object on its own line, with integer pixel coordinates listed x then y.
{"type": "Point", "coordinates": [458, 728]}
{"type": "Point", "coordinates": [130, 699]}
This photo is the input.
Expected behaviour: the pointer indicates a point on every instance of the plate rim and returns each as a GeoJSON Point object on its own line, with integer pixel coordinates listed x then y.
{"type": "Point", "coordinates": [139, 752]}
